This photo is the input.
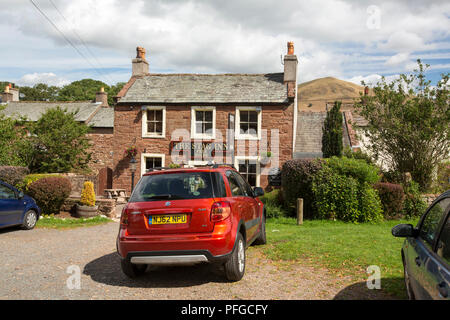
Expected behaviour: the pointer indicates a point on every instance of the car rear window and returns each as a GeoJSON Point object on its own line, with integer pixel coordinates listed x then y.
{"type": "Point", "coordinates": [174, 186]}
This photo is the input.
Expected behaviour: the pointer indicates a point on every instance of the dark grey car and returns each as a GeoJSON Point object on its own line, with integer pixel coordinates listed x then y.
{"type": "Point", "coordinates": [426, 252]}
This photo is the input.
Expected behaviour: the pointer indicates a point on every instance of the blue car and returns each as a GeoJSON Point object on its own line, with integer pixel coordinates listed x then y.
{"type": "Point", "coordinates": [426, 252]}
{"type": "Point", "coordinates": [17, 208]}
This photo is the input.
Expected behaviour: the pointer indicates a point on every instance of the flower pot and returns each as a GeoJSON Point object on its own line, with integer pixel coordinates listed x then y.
{"type": "Point", "coordinates": [86, 211]}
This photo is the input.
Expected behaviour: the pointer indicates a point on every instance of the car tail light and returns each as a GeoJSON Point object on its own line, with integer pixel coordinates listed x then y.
{"type": "Point", "coordinates": [220, 211]}
{"type": "Point", "coordinates": [124, 217]}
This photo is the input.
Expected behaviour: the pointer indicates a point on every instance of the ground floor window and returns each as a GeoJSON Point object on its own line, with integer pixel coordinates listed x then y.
{"type": "Point", "coordinates": [149, 161]}
{"type": "Point", "coordinates": [249, 169]}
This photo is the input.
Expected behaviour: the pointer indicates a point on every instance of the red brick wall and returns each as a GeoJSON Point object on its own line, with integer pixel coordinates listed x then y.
{"type": "Point", "coordinates": [102, 140]}
{"type": "Point", "coordinates": [128, 132]}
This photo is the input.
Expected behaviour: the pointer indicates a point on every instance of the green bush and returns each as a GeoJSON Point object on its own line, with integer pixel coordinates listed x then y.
{"type": "Point", "coordinates": [356, 168]}
{"type": "Point", "coordinates": [296, 182]}
{"type": "Point", "coordinates": [13, 175]}
{"type": "Point", "coordinates": [29, 179]}
{"type": "Point", "coordinates": [392, 198]}
{"type": "Point", "coordinates": [358, 154]}
{"type": "Point", "coordinates": [50, 193]}
{"type": "Point", "coordinates": [414, 206]}
{"type": "Point", "coordinates": [273, 204]}
{"type": "Point", "coordinates": [340, 196]}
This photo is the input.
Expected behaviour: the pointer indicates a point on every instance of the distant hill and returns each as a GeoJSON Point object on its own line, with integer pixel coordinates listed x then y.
{"type": "Point", "coordinates": [313, 95]}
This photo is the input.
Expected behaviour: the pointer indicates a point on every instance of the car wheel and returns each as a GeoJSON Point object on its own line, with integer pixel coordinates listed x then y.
{"type": "Point", "coordinates": [408, 283]}
{"type": "Point", "coordinates": [262, 234]}
{"type": "Point", "coordinates": [132, 270]}
{"type": "Point", "coordinates": [235, 266]}
{"type": "Point", "coordinates": [29, 220]}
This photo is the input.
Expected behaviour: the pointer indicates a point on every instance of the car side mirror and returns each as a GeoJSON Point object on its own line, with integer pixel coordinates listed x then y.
{"type": "Point", "coordinates": [21, 194]}
{"type": "Point", "coordinates": [258, 191]}
{"type": "Point", "coordinates": [404, 230]}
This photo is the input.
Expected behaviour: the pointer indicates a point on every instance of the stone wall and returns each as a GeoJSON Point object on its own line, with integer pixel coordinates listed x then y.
{"type": "Point", "coordinates": [128, 132]}
{"type": "Point", "coordinates": [102, 148]}
{"type": "Point", "coordinates": [77, 181]}
{"type": "Point", "coordinates": [429, 198]}
{"type": "Point", "coordinates": [106, 207]}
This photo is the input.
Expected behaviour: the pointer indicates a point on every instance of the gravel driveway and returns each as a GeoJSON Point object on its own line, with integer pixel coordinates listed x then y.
{"type": "Point", "coordinates": [35, 263]}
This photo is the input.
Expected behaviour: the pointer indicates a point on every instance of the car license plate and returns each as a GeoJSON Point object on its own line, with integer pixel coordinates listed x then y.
{"type": "Point", "coordinates": [170, 219]}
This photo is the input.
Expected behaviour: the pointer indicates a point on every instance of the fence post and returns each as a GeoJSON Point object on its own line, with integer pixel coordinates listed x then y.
{"type": "Point", "coordinates": [299, 211]}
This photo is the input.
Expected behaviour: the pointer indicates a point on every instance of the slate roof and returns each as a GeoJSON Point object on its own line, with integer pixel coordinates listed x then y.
{"type": "Point", "coordinates": [104, 118]}
{"type": "Point", "coordinates": [207, 88]}
{"type": "Point", "coordinates": [86, 111]}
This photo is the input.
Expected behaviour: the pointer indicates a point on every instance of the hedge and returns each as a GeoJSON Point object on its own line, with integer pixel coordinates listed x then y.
{"type": "Point", "coordinates": [29, 179]}
{"type": "Point", "coordinates": [13, 175]}
{"type": "Point", "coordinates": [50, 193]}
{"type": "Point", "coordinates": [392, 198]}
{"type": "Point", "coordinates": [296, 182]}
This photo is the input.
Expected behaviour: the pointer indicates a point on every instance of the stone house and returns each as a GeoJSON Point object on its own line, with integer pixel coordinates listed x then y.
{"type": "Point", "coordinates": [97, 114]}
{"type": "Point", "coordinates": [248, 120]}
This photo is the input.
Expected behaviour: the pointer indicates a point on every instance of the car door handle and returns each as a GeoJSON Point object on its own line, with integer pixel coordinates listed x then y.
{"type": "Point", "coordinates": [418, 262]}
{"type": "Point", "coordinates": [443, 291]}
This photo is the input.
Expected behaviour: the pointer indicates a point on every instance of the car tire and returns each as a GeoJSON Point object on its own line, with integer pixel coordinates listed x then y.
{"type": "Point", "coordinates": [132, 270]}
{"type": "Point", "coordinates": [409, 291]}
{"type": "Point", "coordinates": [29, 220]}
{"type": "Point", "coordinates": [262, 233]}
{"type": "Point", "coordinates": [235, 266]}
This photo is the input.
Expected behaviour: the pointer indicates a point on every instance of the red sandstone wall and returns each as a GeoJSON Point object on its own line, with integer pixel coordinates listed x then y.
{"type": "Point", "coordinates": [128, 132]}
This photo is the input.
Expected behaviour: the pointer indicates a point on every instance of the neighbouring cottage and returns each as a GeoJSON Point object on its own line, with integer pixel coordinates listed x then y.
{"type": "Point", "coordinates": [248, 120]}
{"type": "Point", "coordinates": [97, 114]}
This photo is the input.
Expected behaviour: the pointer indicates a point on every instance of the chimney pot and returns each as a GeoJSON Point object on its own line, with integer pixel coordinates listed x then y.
{"type": "Point", "coordinates": [290, 46]}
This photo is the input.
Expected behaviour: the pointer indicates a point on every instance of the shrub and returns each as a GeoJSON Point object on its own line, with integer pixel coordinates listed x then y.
{"type": "Point", "coordinates": [343, 197]}
{"type": "Point", "coordinates": [392, 198]}
{"type": "Point", "coordinates": [414, 206]}
{"type": "Point", "coordinates": [50, 193]}
{"type": "Point", "coordinates": [88, 194]}
{"type": "Point", "coordinates": [13, 175]}
{"type": "Point", "coordinates": [356, 168]}
{"type": "Point", "coordinates": [358, 154]}
{"type": "Point", "coordinates": [296, 182]}
{"type": "Point", "coordinates": [29, 179]}
{"type": "Point", "coordinates": [273, 205]}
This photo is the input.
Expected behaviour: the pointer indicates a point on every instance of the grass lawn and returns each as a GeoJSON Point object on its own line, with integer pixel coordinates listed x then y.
{"type": "Point", "coordinates": [345, 248]}
{"type": "Point", "coordinates": [68, 223]}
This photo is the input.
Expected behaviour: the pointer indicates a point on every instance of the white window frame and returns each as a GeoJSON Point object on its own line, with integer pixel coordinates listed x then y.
{"type": "Point", "coordinates": [203, 136]}
{"type": "Point", "coordinates": [252, 158]}
{"type": "Point", "coordinates": [237, 127]}
{"type": "Point", "coordinates": [151, 155]}
{"type": "Point", "coordinates": [146, 134]}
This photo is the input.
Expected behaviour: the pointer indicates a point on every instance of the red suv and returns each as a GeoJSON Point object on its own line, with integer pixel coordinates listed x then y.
{"type": "Point", "coordinates": [191, 215]}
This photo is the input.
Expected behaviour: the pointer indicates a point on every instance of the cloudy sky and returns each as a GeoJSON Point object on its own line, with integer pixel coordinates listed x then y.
{"type": "Point", "coordinates": [349, 39]}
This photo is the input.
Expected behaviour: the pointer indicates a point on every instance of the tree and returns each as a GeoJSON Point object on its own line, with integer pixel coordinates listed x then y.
{"type": "Point", "coordinates": [39, 92]}
{"type": "Point", "coordinates": [332, 132]}
{"type": "Point", "coordinates": [59, 142]}
{"type": "Point", "coordinates": [409, 124]}
{"type": "Point", "coordinates": [13, 143]}
{"type": "Point", "coordinates": [84, 90]}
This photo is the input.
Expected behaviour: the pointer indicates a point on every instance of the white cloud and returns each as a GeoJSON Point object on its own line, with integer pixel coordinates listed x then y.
{"type": "Point", "coordinates": [225, 36]}
{"type": "Point", "coordinates": [46, 77]}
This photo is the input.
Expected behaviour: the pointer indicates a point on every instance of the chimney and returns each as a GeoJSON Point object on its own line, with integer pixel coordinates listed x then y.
{"type": "Point", "coordinates": [290, 70]}
{"type": "Point", "coordinates": [139, 64]}
{"type": "Point", "coordinates": [102, 97]}
{"type": "Point", "coordinates": [6, 95]}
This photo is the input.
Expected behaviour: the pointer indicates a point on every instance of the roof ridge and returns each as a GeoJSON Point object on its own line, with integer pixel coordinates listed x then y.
{"type": "Point", "coordinates": [211, 74]}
